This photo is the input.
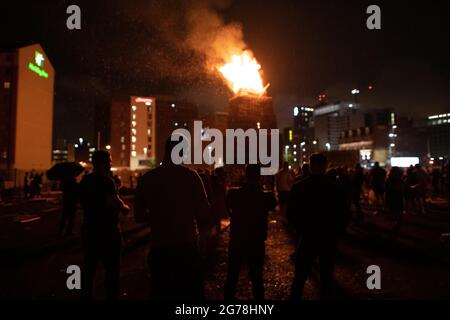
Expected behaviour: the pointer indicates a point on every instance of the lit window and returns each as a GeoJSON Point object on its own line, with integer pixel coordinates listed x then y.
{"type": "Point", "coordinates": [134, 108]}
{"type": "Point", "coordinates": [124, 147]}
{"type": "Point", "coordinates": [6, 85]}
{"type": "Point", "coordinates": [133, 123]}
{"type": "Point", "coordinates": [133, 153]}
{"type": "Point", "coordinates": [133, 139]}
{"type": "Point", "coordinates": [122, 139]}
{"type": "Point", "coordinates": [134, 117]}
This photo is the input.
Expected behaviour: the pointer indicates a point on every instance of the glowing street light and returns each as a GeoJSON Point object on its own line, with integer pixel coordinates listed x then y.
{"type": "Point", "coordinates": [328, 145]}
{"type": "Point", "coordinates": [108, 147]}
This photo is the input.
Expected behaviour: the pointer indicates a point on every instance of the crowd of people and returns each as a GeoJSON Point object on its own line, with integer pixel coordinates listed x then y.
{"type": "Point", "coordinates": [32, 184]}
{"type": "Point", "coordinates": [184, 208]}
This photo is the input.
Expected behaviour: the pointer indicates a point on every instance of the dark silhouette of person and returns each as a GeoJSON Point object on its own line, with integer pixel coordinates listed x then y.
{"type": "Point", "coordinates": [435, 181]}
{"type": "Point", "coordinates": [317, 211]}
{"type": "Point", "coordinates": [26, 185]}
{"type": "Point", "coordinates": [33, 189]}
{"type": "Point", "coordinates": [101, 235]}
{"type": "Point", "coordinates": [249, 207]}
{"type": "Point", "coordinates": [284, 180]}
{"type": "Point", "coordinates": [173, 201]}
{"type": "Point", "coordinates": [378, 179]}
{"type": "Point", "coordinates": [69, 187]}
{"type": "Point", "coordinates": [218, 205]}
{"type": "Point", "coordinates": [395, 194]}
{"type": "Point", "coordinates": [357, 182]}
{"type": "Point", "coordinates": [2, 186]}
{"type": "Point", "coordinates": [305, 172]}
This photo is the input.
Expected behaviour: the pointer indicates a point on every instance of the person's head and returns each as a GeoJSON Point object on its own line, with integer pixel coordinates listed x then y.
{"type": "Point", "coordinates": [377, 164]}
{"type": "Point", "coordinates": [395, 173]}
{"type": "Point", "coordinates": [306, 169]}
{"type": "Point", "coordinates": [318, 163]}
{"type": "Point", "coordinates": [101, 161]}
{"type": "Point", "coordinates": [253, 173]}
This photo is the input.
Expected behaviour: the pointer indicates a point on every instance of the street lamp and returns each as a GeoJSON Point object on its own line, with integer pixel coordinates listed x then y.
{"type": "Point", "coordinates": [355, 93]}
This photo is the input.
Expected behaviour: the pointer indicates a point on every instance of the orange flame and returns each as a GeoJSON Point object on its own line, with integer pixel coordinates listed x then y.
{"type": "Point", "coordinates": [243, 74]}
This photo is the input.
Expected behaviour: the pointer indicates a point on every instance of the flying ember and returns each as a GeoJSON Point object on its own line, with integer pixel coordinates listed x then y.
{"type": "Point", "coordinates": [243, 73]}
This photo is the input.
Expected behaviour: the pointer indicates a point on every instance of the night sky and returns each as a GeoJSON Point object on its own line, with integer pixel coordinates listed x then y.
{"type": "Point", "coordinates": [305, 48]}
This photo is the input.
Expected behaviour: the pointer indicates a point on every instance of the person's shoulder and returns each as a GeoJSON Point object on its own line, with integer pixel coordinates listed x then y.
{"type": "Point", "coordinates": [302, 183]}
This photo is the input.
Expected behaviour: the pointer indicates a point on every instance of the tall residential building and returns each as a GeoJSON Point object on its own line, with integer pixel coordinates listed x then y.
{"type": "Point", "coordinates": [331, 119]}
{"type": "Point", "coordinates": [26, 110]}
{"type": "Point", "coordinates": [140, 127]}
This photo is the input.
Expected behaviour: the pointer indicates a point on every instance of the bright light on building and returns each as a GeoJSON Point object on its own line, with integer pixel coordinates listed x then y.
{"type": "Point", "coordinates": [81, 140]}
{"type": "Point", "coordinates": [355, 91]}
{"type": "Point", "coordinates": [133, 153]}
{"type": "Point", "coordinates": [108, 147]}
{"type": "Point", "coordinates": [134, 108]}
{"type": "Point", "coordinates": [76, 145]}
{"type": "Point", "coordinates": [314, 142]}
{"type": "Point", "coordinates": [392, 145]}
{"type": "Point", "coordinates": [296, 112]}
{"type": "Point", "coordinates": [173, 105]}
{"type": "Point", "coordinates": [404, 162]}
{"type": "Point", "coordinates": [287, 147]}
{"type": "Point", "coordinates": [328, 146]}
{"type": "Point", "coordinates": [258, 125]}
{"type": "Point", "coordinates": [350, 105]}
{"type": "Point", "coordinates": [291, 135]}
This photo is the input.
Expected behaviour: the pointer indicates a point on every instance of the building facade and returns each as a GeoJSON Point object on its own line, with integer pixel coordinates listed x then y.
{"type": "Point", "coordinates": [26, 111]}
{"type": "Point", "coordinates": [140, 127]}
{"type": "Point", "coordinates": [332, 119]}
{"type": "Point", "coordinates": [439, 126]}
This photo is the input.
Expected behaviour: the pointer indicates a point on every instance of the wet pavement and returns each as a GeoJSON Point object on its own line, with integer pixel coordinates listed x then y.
{"type": "Point", "coordinates": [414, 263]}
